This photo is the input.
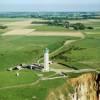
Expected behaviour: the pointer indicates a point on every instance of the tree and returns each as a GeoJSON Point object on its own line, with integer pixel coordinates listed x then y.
{"type": "Point", "coordinates": [78, 26]}
{"type": "Point", "coordinates": [66, 24]}
{"type": "Point", "coordinates": [89, 27]}
{"type": "Point", "coordinates": [3, 27]}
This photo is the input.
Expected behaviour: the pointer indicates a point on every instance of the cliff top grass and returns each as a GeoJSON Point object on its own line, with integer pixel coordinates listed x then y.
{"type": "Point", "coordinates": [24, 49]}
{"type": "Point", "coordinates": [82, 54]}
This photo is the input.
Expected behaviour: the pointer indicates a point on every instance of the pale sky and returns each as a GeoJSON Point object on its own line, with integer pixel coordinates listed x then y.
{"type": "Point", "coordinates": [49, 5]}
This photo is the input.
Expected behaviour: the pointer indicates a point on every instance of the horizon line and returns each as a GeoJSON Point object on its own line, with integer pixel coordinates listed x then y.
{"type": "Point", "coordinates": [44, 11]}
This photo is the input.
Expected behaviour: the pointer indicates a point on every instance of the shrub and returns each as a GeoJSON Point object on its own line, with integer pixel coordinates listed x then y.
{"type": "Point", "coordinates": [78, 26]}
{"type": "Point", "coordinates": [3, 27]}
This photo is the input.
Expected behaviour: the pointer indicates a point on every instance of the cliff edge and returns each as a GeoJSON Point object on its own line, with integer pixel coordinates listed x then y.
{"type": "Point", "coordinates": [83, 87]}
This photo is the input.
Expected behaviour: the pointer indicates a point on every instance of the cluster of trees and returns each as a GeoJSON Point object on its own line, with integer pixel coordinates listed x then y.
{"type": "Point", "coordinates": [39, 22]}
{"type": "Point", "coordinates": [77, 26]}
{"type": "Point", "coordinates": [55, 22]}
{"type": "Point", "coordinates": [3, 27]}
{"type": "Point", "coordinates": [66, 24]}
{"type": "Point", "coordinates": [63, 23]}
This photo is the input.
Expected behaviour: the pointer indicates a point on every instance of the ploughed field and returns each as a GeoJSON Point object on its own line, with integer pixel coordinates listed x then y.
{"type": "Point", "coordinates": [24, 27]}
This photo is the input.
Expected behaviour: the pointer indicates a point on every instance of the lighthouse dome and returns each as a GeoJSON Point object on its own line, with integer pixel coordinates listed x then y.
{"type": "Point", "coordinates": [46, 50]}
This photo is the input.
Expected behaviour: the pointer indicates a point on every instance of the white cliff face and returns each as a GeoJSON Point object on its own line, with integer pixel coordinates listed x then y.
{"type": "Point", "coordinates": [85, 87]}
{"type": "Point", "coordinates": [80, 92]}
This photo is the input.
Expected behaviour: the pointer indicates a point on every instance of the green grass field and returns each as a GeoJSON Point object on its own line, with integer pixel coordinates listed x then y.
{"type": "Point", "coordinates": [49, 28]}
{"type": "Point", "coordinates": [3, 31]}
{"type": "Point", "coordinates": [40, 91]}
{"type": "Point", "coordinates": [83, 53]}
{"type": "Point", "coordinates": [95, 24]}
{"type": "Point", "coordinates": [24, 49]}
{"type": "Point", "coordinates": [10, 78]}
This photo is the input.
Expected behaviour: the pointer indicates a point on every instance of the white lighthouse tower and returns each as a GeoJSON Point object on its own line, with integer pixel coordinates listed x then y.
{"type": "Point", "coordinates": [46, 60]}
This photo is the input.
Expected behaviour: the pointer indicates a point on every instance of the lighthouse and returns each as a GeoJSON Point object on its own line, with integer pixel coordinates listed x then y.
{"type": "Point", "coordinates": [46, 60]}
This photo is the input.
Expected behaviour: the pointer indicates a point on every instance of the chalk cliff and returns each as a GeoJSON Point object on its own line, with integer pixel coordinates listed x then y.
{"type": "Point", "coordinates": [83, 87]}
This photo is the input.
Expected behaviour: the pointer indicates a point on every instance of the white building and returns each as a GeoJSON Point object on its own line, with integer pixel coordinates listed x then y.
{"type": "Point", "coordinates": [46, 60]}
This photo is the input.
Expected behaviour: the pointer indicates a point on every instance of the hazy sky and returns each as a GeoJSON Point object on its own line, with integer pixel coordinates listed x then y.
{"type": "Point", "coordinates": [49, 5]}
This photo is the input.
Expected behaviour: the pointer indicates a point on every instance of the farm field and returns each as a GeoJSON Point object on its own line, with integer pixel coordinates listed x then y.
{"type": "Point", "coordinates": [84, 53]}
{"type": "Point", "coordinates": [23, 43]}
{"type": "Point", "coordinates": [48, 28]}
{"type": "Point", "coordinates": [24, 27]}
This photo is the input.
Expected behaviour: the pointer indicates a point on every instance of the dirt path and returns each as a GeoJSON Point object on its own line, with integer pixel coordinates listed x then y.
{"type": "Point", "coordinates": [32, 84]}
{"type": "Point", "coordinates": [21, 85]}
{"type": "Point", "coordinates": [48, 78]}
{"type": "Point", "coordinates": [73, 71]}
{"type": "Point", "coordinates": [54, 78]}
{"type": "Point", "coordinates": [65, 44]}
{"type": "Point", "coordinates": [20, 31]}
